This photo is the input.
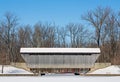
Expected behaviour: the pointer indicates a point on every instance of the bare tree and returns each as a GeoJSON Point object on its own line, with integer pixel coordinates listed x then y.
{"type": "Point", "coordinates": [97, 19]}
{"type": "Point", "coordinates": [77, 34]}
{"type": "Point", "coordinates": [112, 34]}
{"type": "Point", "coordinates": [37, 35]}
{"type": "Point", "coordinates": [118, 21]}
{"type": "Point", "coordinates": [25, 36]}
{"type": "Point", "coordinates": [44, 35]}
{"type": "Point", "coordinates": [63, 36]}
{"type": "Point", "coordinates": [73, 31]}
{"type": "Point", "coordinates": [58, 38]}
{"type": "Point", "coordinates": [8, 24]}
{"type": "Point", "coordinates": [50, 35]}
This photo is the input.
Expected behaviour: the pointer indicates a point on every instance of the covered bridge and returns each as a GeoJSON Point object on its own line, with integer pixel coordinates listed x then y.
{"type": "Point", "coordinates": [49, 60]}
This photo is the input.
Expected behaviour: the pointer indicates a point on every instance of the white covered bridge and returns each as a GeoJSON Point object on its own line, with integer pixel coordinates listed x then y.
{"type": "Point", "coordinates": [60, 59]}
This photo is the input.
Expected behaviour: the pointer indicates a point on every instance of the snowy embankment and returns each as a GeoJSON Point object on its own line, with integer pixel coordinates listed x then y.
{"type": "Point", "coordinates": [13, 70]}
{"type": "Point", "coordinates": [114, 69]}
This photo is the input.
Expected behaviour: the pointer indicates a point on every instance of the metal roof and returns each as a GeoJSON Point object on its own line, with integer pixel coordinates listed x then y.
{"type": "Point", "coordinates": [60, 50]}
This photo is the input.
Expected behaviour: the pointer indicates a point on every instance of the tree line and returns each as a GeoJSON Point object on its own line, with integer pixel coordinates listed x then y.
{"type": "Point", "coordinates": [105, 34]}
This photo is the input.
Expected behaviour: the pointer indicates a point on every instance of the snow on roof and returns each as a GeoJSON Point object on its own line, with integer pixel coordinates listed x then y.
{"type": "Point", "coordinates": [114, 69]}
{"type": "Point", "coordinates": [59, 50]}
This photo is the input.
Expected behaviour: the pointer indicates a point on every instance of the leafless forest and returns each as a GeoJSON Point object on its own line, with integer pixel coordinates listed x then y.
{"type": "Point", "coordinates": [101, 29]}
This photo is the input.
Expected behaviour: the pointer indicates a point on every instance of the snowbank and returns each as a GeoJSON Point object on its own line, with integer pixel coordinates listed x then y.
{"type": "Point", "coordinates": [114, 69]}
{"type": "Point", "coordinates": [13, 70]}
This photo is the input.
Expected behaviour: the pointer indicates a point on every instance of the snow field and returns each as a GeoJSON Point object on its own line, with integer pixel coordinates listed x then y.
{"type": "Point", "coordinates": [13, 70]}
{"type": "Point", "coordinates": [61, 79]}
{"type": "Point", "coordinates": [114, 69]}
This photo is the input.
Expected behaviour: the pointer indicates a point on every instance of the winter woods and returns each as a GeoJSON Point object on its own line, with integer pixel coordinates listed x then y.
{"type": "Point", "coordinates": [101, 29]}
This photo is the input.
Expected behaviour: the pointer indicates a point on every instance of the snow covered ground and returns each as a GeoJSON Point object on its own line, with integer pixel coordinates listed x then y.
{"type": "Point", "coordinates": [114, 69]}
{"type": "Point", "coordinates": [13, 70]}
{"type": "Point", "coordinates": [60, 79]}
{"type": "Point", "coordinates": [108, 70]}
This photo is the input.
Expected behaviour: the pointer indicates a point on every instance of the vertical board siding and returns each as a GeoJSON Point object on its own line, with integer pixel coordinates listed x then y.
{"type": "Point", "coordinates": [81, 61]}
